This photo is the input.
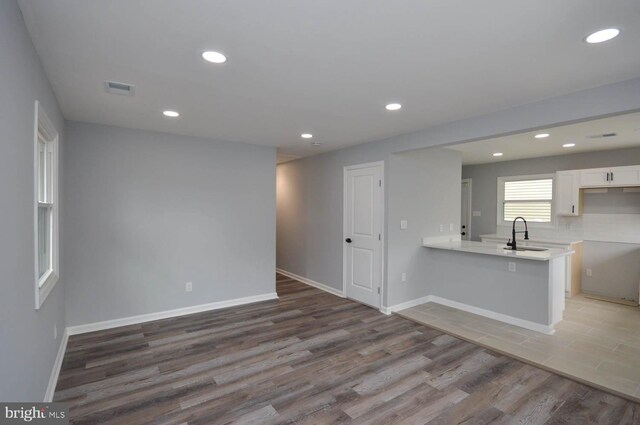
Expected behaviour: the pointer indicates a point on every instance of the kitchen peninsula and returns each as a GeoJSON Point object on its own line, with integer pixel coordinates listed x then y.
{"type": "Point", "coordinates": [524, 287]}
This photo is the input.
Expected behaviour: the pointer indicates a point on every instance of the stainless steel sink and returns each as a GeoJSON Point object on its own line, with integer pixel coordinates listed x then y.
{"type": "Point", "coordinates": [528, 248]}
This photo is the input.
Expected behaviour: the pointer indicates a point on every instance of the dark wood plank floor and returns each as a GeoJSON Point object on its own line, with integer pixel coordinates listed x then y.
{"type": "Point", "coordinates": [313, 358]}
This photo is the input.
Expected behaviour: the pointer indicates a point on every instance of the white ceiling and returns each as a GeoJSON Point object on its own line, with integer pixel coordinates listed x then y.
{"type": "Point", "coordinates": [325, 67]}
{"type": "Point", "coordinates": [525, 145]}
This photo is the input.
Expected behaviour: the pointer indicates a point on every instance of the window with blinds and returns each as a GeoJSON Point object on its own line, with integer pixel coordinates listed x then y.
{"type": "Point", "coordinates": [531, 199]}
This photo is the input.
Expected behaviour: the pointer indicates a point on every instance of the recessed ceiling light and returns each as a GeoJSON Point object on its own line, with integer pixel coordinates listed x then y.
{"type": "Point", "coordinates": [541, 135]}
{"type": "Point", "coordinates": [393, 107]}
{"type": "Point", "coordinates": [497, 154]}
{"type": "Point", "coordinates": [602, 35]}
{"type": "Point", "coordinates": [171, 114]}
{"type": "Point", "coordinates": [306, 135]}
{"type": "Point", "coordinates": [214, 57]}
{"type": "Point", "coordinates": [568, 145]}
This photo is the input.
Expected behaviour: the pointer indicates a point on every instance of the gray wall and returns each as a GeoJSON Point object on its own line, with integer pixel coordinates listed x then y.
{"type": "Point", "coordinates": [484, 281]}
{"type": "Point", "coordinates": [147, 212]}
{"type": "Point", "coordinates": [615, 269]}
{"type": "Point", "coordinates": [484, 176]}
{"type": "Point", "coordinates": [310, 239]}
{"type": "Point", "coordinates": [424, 189]}
{"type": "Point", "coordinates": [27, 346]}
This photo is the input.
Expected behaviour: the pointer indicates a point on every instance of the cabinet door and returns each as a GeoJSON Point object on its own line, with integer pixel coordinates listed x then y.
{"type": "Point", "coordinates": [596, 177]}
{"type": "Point", "coordinates": [625, 176]}
{"type": "Point", "coordinates": [567, 193]}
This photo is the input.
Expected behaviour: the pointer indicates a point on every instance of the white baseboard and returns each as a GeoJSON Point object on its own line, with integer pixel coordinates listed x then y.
{"type": "Point", "coordinates": [313, 283]}
{"type": "Point", "coordinates": [55, 372]}
{"type": "Point", "coordinates": [408, 304]}
{"type": "Point", "coordinates": [527, 324]}
{"type": "Point", "coordinates": [134, 320]}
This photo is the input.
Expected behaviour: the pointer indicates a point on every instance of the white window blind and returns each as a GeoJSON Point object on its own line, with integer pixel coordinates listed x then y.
{"type": "Point", "coordinates": [530, 199]}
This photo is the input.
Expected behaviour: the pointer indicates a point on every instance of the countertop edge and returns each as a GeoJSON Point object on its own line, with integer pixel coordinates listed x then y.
{"type": "Point", "coordinates": [507, 254]}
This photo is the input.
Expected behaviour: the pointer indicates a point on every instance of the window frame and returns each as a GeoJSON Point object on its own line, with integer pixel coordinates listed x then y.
{"type": "Point", "coordinates": [43, 126]}
{"type": "Point", "coordinates": [500, 199]}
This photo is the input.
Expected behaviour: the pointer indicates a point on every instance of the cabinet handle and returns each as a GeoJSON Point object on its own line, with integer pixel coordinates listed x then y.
{"type": "Point", "coordinates": [573, 209]}
{"type": "Point", "coordinates": [612, 176]}
{"type": "Point", "coordinates": [607, 176]}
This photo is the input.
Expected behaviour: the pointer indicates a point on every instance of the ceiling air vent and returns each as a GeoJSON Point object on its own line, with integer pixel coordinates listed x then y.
{"type": "Point", "coordinates": [123, 89]}
{"type": "Point", "coordinates": [601, 136]}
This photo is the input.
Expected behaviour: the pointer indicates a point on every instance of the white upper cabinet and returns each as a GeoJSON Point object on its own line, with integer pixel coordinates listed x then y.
{"type": "Point", "coordinates": [625, 176]}
{"type": "Point", "coordinates": [614, 176]}
{"type": "Point", "coordinates": [568, 193]}
{"type": "Point", "coordinates": [568, 201]}
{"type": "Point", "coordinates": [595, 177]}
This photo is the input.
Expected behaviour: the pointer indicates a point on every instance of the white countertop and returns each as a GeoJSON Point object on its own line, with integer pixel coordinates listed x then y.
{"type": "Point", "coordinates": [533, 239]}
{"type": "Point", "coordinates": [487, 248]}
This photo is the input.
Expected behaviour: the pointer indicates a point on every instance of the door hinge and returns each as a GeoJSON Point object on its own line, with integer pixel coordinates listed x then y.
{"type": "Point", "coordinates": [379, 237]}
{"type": "Point", "coordinates": [378, 289]}
{"type": "Point", "coordinates": [379, 183]}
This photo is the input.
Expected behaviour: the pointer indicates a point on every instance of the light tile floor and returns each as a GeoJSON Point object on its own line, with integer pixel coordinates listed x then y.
{"type": "Point", "coordinates": [597, 343]}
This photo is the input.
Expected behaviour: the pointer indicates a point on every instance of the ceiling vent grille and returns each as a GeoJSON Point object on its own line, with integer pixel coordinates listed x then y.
{"type": "Point", "coordinates": [601, 136]}
{"type": "Point", "coordinates": [122, 89]}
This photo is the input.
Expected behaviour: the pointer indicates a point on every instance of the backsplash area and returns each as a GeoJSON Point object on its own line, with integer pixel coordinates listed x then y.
{"type": "Point", "coordinates": [622, 228]}
{"type": "Point", "coordinates": [611, 216]}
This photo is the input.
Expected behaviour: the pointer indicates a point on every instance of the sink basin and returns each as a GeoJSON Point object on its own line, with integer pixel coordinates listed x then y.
{"type": "Point", "coordinates": [528, 248]}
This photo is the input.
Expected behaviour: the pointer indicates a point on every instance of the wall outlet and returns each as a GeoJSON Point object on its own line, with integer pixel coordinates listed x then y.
{"type": "Point", "coordinates": [403, 277]}
{"type": "Point", "coordinates": [441, 228]}
{"type": "Point", "coordinates": [589, 272]}
{"type": "Point", "coordinates": [188, 287]}
{"type": "Point", "coordinates": [477, 213]}
{"type": "Point", "coordinates": [55, 331]}
{"type": "Point", "coordinates": [403, 224]}
{"type": "Point", "coordinates": [512, 266]}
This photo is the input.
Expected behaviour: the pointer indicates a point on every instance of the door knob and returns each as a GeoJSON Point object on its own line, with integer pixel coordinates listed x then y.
{"type": "Point", "coordinates": [464, 233]}
{"type": "Point", "coordinates": [348, 240]}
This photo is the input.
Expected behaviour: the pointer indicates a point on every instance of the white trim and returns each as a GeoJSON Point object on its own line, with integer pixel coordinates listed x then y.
{"type": "Point", "coordinates": [405, 305]}
{"type": "Point", "coordinates": [500, 199]}
{"type": "Point", "coordinates": [470, 209]}
{"type": "Point", "coordinates": [527, 324]}
{"type": "Point", "coordinates": [43, 289]}
{"type": "Point", "coordinates": [55, 372]}
{"type": "Point", "coordinates": [134, 320]}
{"type": "Point", "coordinates": [313, 283]}
{"type": "Point", "coordinates": [382, 226]}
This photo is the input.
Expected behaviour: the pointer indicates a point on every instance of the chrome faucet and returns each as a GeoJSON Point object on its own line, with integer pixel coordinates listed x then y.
{"type": "Point", "coordinates": [512, 241]}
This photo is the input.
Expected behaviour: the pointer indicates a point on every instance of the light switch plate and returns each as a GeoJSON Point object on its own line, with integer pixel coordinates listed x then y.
{"type": "Point", "coordinates": [512, 266]}
{"type": "Point", "coordinates": [404, 277]}
{"type": "Point", "coordinates": [589, 272]}
{"type": "Point", "coordinates": [403, 224]}
{"type": "Point", "coordinates": [188, 287]}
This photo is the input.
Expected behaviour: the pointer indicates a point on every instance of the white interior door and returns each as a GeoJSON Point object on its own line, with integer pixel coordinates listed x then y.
{"type": "Point", "coordinates": [363, 218]}
{"type": "Point", "coordinates": [465, 211]}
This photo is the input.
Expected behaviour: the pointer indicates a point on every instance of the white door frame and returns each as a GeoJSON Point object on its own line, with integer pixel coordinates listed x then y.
{"type": "Point", "coordinates": [382, 230]}
{"type": "Point", "coordinates": [470, 209]}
